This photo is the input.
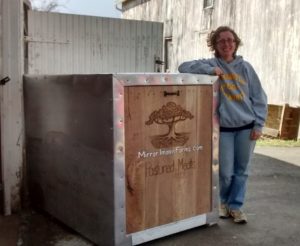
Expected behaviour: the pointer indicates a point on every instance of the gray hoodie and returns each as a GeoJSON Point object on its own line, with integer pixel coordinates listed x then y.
{"type": "Point", "coordinates": [242, 98]}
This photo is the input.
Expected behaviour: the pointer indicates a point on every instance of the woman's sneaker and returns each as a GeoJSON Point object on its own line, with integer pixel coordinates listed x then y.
{"type": "Point", "coordinates": [238, 216]}
{"type": "Point", "coordinates": [223, 211]}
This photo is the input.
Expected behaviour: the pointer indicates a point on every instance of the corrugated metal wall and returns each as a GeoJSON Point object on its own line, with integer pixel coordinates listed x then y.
{"type": "Point", "coordinates": [73, 44]}
{"type": "Point", "coordinates": [270, 31]}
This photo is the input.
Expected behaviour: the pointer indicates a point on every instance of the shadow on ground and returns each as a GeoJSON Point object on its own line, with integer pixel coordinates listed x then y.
{"type": "Point", "coordinates": [272, 207]}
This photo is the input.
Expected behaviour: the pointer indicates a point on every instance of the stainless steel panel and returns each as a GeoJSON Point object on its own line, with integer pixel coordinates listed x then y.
{"type": "Point", "coordinates": [69, 135]}
{"type": "Point", "coordinates": [168, 229]}
{"type": "Point", "coordinates": [213, 217]}
{"type": "Point", "coordinates": [119, 165]}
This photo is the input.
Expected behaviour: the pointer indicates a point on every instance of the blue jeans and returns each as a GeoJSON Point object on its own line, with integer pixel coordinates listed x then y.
{"type": "Point", "coordinates": [236, 149]}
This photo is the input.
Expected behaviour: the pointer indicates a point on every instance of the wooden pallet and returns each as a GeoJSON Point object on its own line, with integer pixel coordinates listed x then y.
{"type": "Point", "coordinates": [289, 124]}
{"type": "Point", "coordinates": [282, 122]}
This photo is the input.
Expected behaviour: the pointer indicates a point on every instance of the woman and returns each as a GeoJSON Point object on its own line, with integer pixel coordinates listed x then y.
{"type": "Point", "coordinates": [242, 112]}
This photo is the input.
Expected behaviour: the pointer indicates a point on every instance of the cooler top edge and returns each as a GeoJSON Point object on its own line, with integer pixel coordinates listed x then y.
{"type": "Point", "coordinates": [133, 79]}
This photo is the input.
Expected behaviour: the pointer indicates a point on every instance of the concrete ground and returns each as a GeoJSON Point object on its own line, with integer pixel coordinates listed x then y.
{"type": "Point", "coordinates": [272, 206]}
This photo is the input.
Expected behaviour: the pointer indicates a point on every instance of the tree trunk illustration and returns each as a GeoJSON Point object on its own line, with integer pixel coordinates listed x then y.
{"type": "Point", "coordinates": [171, 133]}
{"type": "Point", "coordinates": [169, 115]}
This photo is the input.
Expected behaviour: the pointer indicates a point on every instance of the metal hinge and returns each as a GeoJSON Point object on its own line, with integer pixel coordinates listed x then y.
{"type": "Point", "coordinates": [4, 80]}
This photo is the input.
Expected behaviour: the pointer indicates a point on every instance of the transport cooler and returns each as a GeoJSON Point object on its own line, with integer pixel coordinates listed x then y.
{"type": "Point", "coordinates": [123, 158]}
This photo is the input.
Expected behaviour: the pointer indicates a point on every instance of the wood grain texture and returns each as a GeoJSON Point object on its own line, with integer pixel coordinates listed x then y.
{"type": "Point", "coordinates": [167, 183]}
{"type": "Point", "coordinates": [188, 23]}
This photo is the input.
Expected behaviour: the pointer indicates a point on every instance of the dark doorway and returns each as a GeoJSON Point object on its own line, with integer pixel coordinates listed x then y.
{"type": "Point", "coordinates": [168, 53]}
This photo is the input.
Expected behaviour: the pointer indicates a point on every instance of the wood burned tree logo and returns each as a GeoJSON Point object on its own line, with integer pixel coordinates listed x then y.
{"type": "Point", "coordinates": [170, 114]}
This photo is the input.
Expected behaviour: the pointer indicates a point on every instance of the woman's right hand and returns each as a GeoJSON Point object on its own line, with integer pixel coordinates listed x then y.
{"type": "Point", "coordinates": [218, 71]}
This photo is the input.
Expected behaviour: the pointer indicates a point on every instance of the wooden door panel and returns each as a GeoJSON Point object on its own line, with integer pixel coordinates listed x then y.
{"type": "Point", "coordinates": [168, 149]}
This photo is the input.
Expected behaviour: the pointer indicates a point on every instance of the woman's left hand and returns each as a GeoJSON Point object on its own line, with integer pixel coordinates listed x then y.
{"type": "Point", "coordinates": [255, 134]}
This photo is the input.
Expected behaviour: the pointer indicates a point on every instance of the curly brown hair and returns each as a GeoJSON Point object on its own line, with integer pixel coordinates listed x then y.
{"type": "Point", "coordinates": [214, 35]}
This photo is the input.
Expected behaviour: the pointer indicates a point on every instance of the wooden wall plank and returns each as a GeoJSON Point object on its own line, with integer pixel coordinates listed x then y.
{"type": "Point", "coordinates": [12, 120]}
{"type": "Point", "coordinates": [162, 187]}
{"type": "Point", "coordinates": [269, 31]}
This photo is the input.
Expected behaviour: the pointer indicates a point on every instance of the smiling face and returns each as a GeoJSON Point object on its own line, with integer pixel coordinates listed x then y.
{"type": "Point", "coordinates": [226, 46]}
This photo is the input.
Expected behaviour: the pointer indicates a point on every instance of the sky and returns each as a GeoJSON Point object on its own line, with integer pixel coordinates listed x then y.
{"type": "Point", "coordinates": [104, 8]}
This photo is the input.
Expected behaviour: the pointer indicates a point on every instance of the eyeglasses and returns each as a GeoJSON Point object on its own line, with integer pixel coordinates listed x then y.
{"type": "Point", "coordinates": [223, 41]}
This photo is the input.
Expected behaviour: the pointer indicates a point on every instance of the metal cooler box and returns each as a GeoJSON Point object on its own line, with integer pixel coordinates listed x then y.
{"type": "Point", "coordinates": [123, 158]}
